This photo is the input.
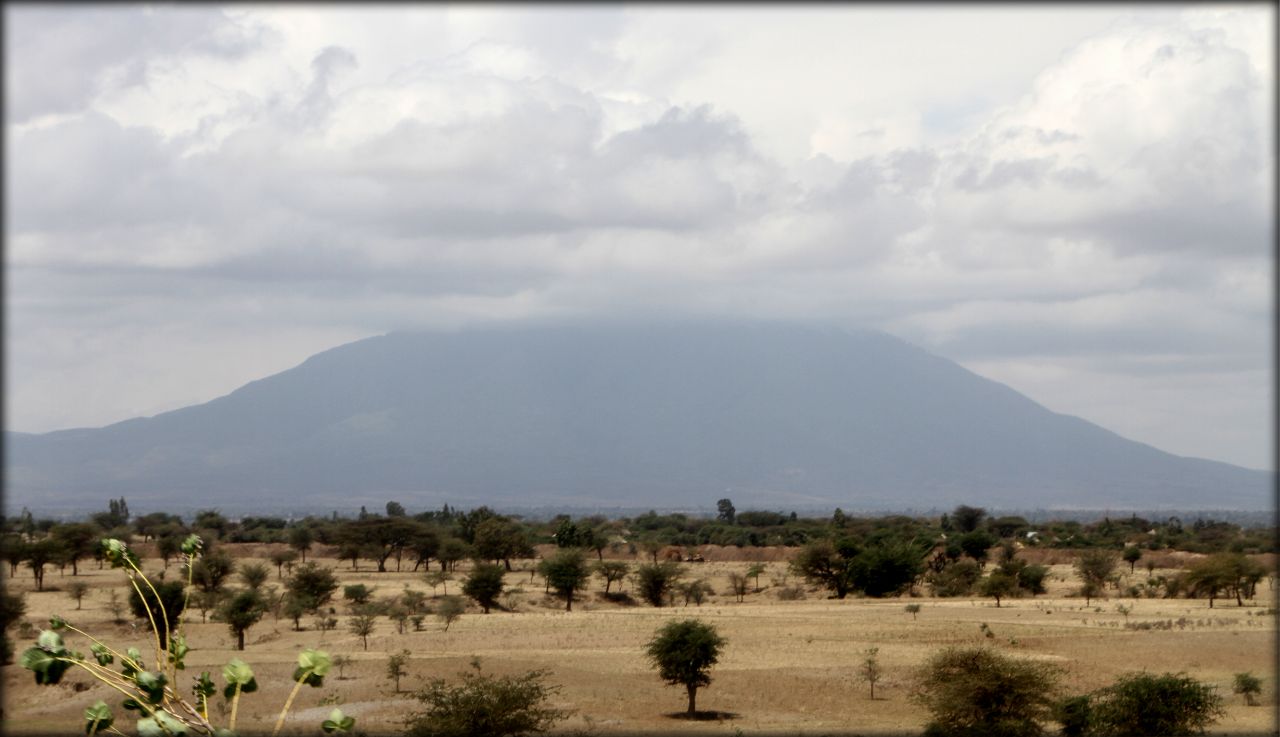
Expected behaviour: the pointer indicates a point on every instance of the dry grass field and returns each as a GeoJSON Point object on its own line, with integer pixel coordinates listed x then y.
{"type": "Point", "coordinates": [790, 666]}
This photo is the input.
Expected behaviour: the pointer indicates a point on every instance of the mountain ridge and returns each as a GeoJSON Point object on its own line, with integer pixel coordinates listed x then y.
{"type": "Point", "coordinates": [596, 413]}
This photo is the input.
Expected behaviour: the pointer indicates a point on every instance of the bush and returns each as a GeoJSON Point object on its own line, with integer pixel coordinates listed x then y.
{"type": "Point", "coordinates": [488, 705]}
{"type": "Point", "coordinates": [654, 581]}
{"type": "Point", "coordinates": [977, 691]}
{"type": "Point", "coordinates": [1249, 686]}
{"type": "Point", "coordinates": [1140, 704]}
{"type": "Point", "coordinates": [957, 579]}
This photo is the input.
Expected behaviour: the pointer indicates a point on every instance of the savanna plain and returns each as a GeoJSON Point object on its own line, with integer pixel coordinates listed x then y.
{"type": "Point", "coordinates": [791, 663]}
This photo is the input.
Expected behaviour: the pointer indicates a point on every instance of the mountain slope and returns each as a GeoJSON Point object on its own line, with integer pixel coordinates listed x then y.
{"type": "Point", "coordinates": [627, 415]}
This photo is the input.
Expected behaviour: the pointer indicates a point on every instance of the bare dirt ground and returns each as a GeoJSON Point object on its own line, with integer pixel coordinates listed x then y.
{"type": "Point", "coordinates": [789, 667]}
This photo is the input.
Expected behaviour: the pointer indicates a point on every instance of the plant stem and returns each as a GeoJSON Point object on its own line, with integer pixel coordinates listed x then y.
{"type": "Point", "coordinates": [288, 702]}
{"type": "Point", "coordinates": [123, 658]}
{"type": "Point", "coordinates": [235, 704]}
{"type": "Point", "coordinates": [164, 617]}
{"type": "Point", "coordinates": [160, 655]}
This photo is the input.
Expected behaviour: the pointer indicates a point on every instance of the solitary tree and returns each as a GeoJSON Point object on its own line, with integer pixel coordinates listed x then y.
{"type": "Point", "coordinates": [484, 584]}
{"type": "Point", "coordinates": [1132, 554]}
{"type": "Point", "coordinates": [449, 610]}
{"type": "Point", "coordinates": [357, 593]}
{"type": "Point", "coordinates": [1095, 567]}
{"type": "Point", "coordinates": [683, 652]}
{"type": "Point", "coordinates": [738, 584]}
{"type": "Point", "coordinates": [754, 571]}
{"type": "Point", "coordinates": [241, 612]}
{"type": "Point", "coordinates": [653, 581]}
{"type": "Point", "coordinates": [913, 610]}
{"type": "Point", "coordinates": [362, 625]}
{"type": "Point", "coordinates": [566, 572]}
{"type": "Point", "coordinates": [254, 575]}
{"type": "Point", "coordinates": [999, 585]}
{"type": "Point", "coordinates": [978, 691]}
{"type": "Point", "coordinates": [1249, 686]}
{"type": "Point", "coordinates": [281, 558]}
{"type": "Point", "coordinates": [612, 571]}
{"type": "Point", "coordinates": [396, 670]}
{"type": "Point", "coordinates": [301, 539]}
{"type": "Point", "coordinates": [870, 669]}
{"type": "Point", "coordinates": [76, 590]}
{"type": "Point", "coordinates": [312, 586]}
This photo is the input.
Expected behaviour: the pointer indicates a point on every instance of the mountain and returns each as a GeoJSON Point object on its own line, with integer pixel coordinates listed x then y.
{"type": "Point", "coordinates": [619, 415]}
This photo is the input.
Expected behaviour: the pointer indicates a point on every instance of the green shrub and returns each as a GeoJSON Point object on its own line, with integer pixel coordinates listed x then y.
{"type": "Point", "coordinates": [1141, 704]}
{"type": "Point", "coordinates": [977, 691]}
{"type": "Point", "coordinates": [486, 705]}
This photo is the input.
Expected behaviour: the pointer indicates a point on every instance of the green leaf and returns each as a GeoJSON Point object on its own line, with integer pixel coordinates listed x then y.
{"type": "Point", "coordinates": [127, 667]}
{"type": "Point", "coordinates": [56, 622]}
{"type": "Point", "coordinates": [131, 705]}
{"type": "Point", "coordinates": [50, 641]}
{"type": "Point", "coordinates": [237, 671]}
{"type": "Point", "coordinates": [151, 684]}
{"type": "Point", "coordinates": [316, 661]}
{"type": "Point", "coordinates": [204, 687]}
{"type": "Point", "coordinates": [97, 718]}
{"type": "Point", "coordinates": [117, 553]}
{"type": "Point", "coordinates": [178, 650]}
{"type": "Point", "coordinates": [161, 725]}
{"type": "Point", "coordinates": [192, 545]}
{"type": "Point", "coordinates": [337, 722]}
{"type": "Point", "coordinates": [48, 669]}
{"type": "Point", "coordinates": [249, 687]}
{"type": "Point", "coordinates": [102, 654]}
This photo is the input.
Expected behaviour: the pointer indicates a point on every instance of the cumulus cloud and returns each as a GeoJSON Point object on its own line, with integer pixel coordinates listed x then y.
{"type": "Point", "coordinates": [186, 172]}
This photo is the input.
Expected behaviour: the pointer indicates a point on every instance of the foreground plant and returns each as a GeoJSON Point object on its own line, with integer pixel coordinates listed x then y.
{"type": "Point", "coordinates": [152, 692]}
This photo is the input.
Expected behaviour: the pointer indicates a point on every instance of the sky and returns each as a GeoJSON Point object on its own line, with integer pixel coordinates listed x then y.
{"type": "Point", "coordinates": [1073, 200]}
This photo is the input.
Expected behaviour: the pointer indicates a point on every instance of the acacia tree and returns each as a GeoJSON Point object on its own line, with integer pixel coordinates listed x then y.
{"type": "Point", "coordinates": [241, 612]}
{"type": "Point", "coordinates": [78, 541]}
{"type": "Point", "coordinates": [870, 670]}
{"type": "Point", "coordinates": [311, 586]}
{"type": "Point", "coordinates": [301, 539]}
{"type": "Point", "coordinates": [396, 670]}
{"type": "Point", "coordinates": [654, 581]}
{"type": "Point", "coordinates": [484, 584]}
{"type": "Point", "coordinates": [683, 652]}
{"type": "Point", "coordinates": [1132, 554]}
{"type": "Point", "coordinates": [611, 571]}
{"type": "Point", "coordinates": [362, 626]}
{"type": "Point", "coordinates": [1230, 572]}
{"type": "Point", "coordinates": [76, 590]}
{"type": "Point", "coordinates": [821, 562]}
{"type": "Point", "coordinates": [282, 557]}
{"type": "Point", "coordinates": [1094, 568]}
{"type": "Point", "coordinates": [566, 572]}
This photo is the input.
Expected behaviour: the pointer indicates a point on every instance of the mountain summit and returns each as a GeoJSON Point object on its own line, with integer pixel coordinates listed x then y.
{"type": "Point", "coordinates": [630, 415]}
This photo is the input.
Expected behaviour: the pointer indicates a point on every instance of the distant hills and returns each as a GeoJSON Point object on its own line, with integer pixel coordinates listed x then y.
{"type": "Point", "coordinates": [622, 415]}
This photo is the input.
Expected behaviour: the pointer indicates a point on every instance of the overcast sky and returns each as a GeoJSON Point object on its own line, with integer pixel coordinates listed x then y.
{"type": "Point", "coordinates": [1076, 200]}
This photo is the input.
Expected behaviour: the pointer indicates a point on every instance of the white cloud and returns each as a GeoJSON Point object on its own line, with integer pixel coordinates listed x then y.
{"type": "Point", "coordinates": [1089, 190]}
